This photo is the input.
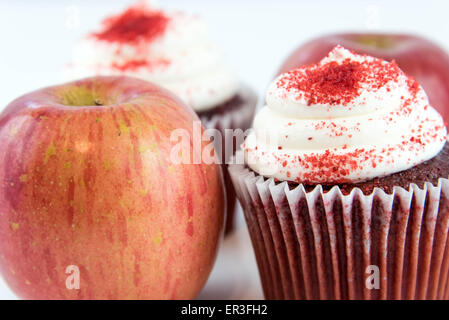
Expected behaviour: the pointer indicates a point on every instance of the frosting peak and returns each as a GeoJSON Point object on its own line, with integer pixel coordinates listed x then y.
{"type": "Point", "coordinates": [338, 79]}
{"type": "Point", "coordinates": [137, 23]}
{"type": "Point", "coordinates": [171, 49]}
{"type": "Point", "coordinates": [349, 118]}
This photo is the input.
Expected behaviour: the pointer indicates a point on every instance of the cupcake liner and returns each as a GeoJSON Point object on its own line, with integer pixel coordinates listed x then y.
{"type": "Point", "coordinates": [323, 245]}
{"type": "Point", "coordinates": [237, 118]}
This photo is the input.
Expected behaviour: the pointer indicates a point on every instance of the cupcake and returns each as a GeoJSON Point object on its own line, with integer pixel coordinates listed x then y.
{"type": "Point", "coordinates": [344, 184]}
{"type": "Point", "coordinates": [173, 50]}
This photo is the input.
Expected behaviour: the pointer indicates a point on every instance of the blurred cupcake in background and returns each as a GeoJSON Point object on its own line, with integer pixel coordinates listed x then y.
{"type": "Point", "coordinates": [344, 184]}
{"type": "Point", "coordinates": [173, 50]}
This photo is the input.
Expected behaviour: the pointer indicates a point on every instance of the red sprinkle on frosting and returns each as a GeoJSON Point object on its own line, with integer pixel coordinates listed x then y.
{"type": "Point", "coordinates": [133, 65]}
{"type": "Point", "coordinates": [339, 83]}
{"type": "Point", "coordinates": [137, 23]}
{"type": "Point", "coordinates": [336, 83]}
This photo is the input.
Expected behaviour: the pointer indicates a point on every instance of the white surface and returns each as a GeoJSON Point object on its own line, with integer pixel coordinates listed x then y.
{"type": "Point", "coordinates": [235, 275]}
{"type": "Point", "coordinates": [37, 39]}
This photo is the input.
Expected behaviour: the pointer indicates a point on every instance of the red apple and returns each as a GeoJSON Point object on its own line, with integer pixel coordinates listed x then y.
{"type": "Point", "coordinates": [86, 181]}
{"type": "Point", "coordinates": [416, 56]}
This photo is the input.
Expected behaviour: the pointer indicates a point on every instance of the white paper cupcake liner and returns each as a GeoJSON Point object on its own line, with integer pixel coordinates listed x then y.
{"type": "Point", "coordinates": [325, 245]}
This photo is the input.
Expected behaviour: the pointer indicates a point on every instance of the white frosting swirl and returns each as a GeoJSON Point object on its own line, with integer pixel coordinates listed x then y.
{"type": "Point", "coordinates": [181, 59]}
{"type": "Point", "coordinates": [316, 136]}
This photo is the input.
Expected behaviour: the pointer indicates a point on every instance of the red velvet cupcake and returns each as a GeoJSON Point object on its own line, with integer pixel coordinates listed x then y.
{"type": "Point", "coordinates": [344, 184]}
{"type": "Point", "coordinates": [171, 49]}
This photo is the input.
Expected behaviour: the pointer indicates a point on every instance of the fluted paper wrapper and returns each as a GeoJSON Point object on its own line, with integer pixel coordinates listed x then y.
{"type": "Point", "coordinates": [326, 245]}
{"type": "Point", "coordinates": [238, 118]}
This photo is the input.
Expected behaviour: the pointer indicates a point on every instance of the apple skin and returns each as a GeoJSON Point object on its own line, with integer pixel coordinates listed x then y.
{"type": "Point", "coordinates": [416, 56]}
{"type": "Point", "coordinates": [93, 186]}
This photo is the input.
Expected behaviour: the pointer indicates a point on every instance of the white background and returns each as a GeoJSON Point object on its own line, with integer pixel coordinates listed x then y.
{"type": "Point", "coordinates": [37, 37]}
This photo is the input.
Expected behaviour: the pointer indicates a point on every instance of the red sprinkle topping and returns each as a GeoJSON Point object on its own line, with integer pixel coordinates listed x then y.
{"type": "Point", "coordinates": [137, 23]}
{"type": "Point", "coordinates": [133, 65]}
{"type": "Point", "coordinates": [338, 83]}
